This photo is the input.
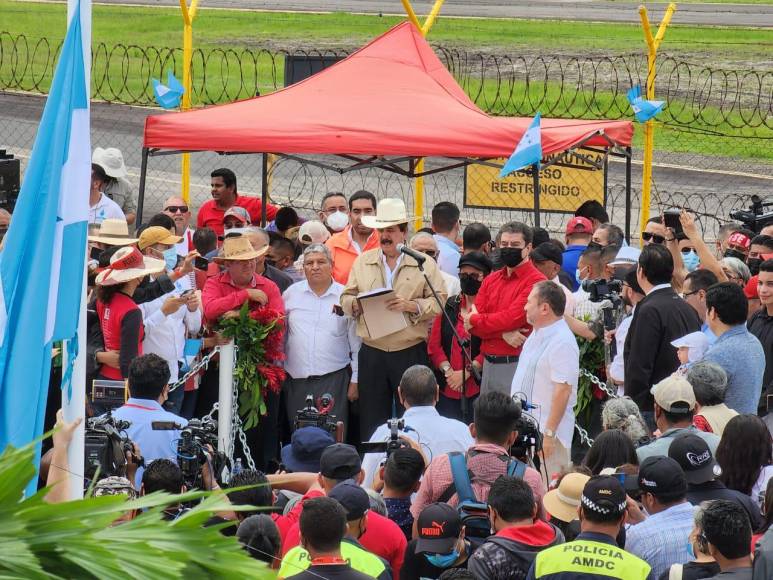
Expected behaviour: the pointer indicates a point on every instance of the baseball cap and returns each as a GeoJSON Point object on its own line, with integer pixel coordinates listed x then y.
{"type": "Point", "coordinates": [604, 494]}
{"type": "Point", "coordinates": [352, 497]}
{"type": "Point", "coordinates": [439, 527]}
{"type": "Point", "coordinates": [313, 232]}
{"type": "Point", "coordinates": [697, 342]}
{"type": "Point", "coordinates": [693, 455]}
{"type": "Point", "coordinates": [562, 502]}
{"type": "Point", "coordinates": [579, 225]}
{"type": "Point", "coordinates": [340, 461]}
{"type": "Point", "coordinates": [626, 256]}
{"type": "Point", "coordinates": [114, 485]}
{"type": "Point", "coordinates": [547, 252]}
{"type": "Point", "coordinates": [305, 449]}
{"type": "Point", "coordinates": [477, 260]}
{"type": "Point", "coordinates": [157, 235]}
{"type": "Point", "coordinates": [661, 475]}
{"type": "Point", "coordinates": [239, 213]}
{"type": "Point", "coordinates": [739, 239]}
{"type": "Point", "coordinates": [674, 394]}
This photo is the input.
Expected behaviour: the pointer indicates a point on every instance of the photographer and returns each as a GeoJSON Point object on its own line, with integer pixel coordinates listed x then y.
{"type": "Point", "coordinates": [148, 390]}
{"type": "Point", "coordinates": [419, 393]}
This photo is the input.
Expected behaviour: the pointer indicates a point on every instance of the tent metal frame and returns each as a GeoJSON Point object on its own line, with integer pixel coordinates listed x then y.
{"type": "Point", "coordinates": [410, 164]}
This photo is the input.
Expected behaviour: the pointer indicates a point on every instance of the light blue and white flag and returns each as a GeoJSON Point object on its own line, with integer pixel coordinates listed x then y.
{"type": "Point", "coordinates": [42, 261]}
{"type": "Point", "coordinates": [168, 96]}
{"type": "Point", "coordinates": [643, 109]}
{"type": "Point", "coordinates": [527, 152]}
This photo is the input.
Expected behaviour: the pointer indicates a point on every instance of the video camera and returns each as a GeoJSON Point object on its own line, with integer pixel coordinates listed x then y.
{"type": "Point", "coordinates": [319, 416]}
{"type": "Point", "coordinates": [106, 446]}
{"type": "Point", "coordinates": [193, 451]}
{"type": "Point", "coordinates": [529, 442]}
{"type": "Point", "coordinates": [392, 444]}
{"type": "Point", "coordinates": [755, 218]}
{"type": "Point", "coordinates": [603, 289]}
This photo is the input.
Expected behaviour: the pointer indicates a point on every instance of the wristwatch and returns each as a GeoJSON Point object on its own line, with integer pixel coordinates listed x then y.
{"type": "Point", "coordinates": [445, 368]}
{"type": "Point", "coordinates": [549, 433]}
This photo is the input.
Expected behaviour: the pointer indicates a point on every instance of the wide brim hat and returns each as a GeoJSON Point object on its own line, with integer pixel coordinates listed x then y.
{"type": "Point", "coordinates": [389, 212]}
{"type": "Point", "coordinates": [113, 232]}
{"type": "Point", "coordinates": [111, 160]}
{"type": "Point", "coordinates": [562, 502]}
{"type": "Point", "coordinates": [238, 248]}
{"type": "Point", "coordinates": [128, 264]}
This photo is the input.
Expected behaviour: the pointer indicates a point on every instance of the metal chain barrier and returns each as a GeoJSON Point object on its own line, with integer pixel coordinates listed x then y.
{"type": "Point", "coordinates": [202, 364]}
{"type": "Point", "coordinates": [584, 437]}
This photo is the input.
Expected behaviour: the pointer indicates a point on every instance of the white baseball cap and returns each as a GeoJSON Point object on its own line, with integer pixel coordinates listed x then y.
{"type": "Point", "coordinates": [626, 256]}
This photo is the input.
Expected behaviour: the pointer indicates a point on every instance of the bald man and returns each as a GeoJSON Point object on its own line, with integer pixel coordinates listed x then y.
{"type": "Point", "coordinates": [179, 211]}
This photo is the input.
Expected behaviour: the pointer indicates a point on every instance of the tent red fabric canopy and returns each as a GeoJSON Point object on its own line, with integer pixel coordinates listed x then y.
{"type": "Point", "coordinates": [391, 97]}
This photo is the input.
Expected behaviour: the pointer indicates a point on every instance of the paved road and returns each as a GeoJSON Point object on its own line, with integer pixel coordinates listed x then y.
{"type": "Point", "coordinates": [756, 15]}
{"type": "Point", "coordinates": [678, 180]}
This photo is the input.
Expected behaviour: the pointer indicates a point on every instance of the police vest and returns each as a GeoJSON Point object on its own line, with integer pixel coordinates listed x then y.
{"type": "Point", "coordinates": [298, 559]}
{"type": "Point", "coordinates": [590, 559]}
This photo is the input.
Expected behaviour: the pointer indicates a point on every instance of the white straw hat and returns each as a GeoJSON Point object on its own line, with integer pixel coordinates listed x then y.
{"type": "Point", "coordinates": [389, 212]}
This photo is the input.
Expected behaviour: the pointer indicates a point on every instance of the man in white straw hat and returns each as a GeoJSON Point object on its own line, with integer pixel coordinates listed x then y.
{"type": "Point", "coordinates": [101, 207]}
{"type": "Point", "coordinates": [116, 187]}
{"type": "Point", "coordinates": [382, 361]}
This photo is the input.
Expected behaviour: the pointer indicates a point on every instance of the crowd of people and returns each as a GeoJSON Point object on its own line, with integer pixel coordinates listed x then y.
{"type": "Point", "coordinates": [484, 476]}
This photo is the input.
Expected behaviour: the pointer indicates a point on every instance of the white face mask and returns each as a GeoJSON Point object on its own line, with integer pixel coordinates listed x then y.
{"type": "Point", "coordinates": [337, 221]}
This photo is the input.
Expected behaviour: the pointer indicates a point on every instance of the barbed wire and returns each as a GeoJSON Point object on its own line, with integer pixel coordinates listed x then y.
{"type": "Point", "coordinates": [698, 96]}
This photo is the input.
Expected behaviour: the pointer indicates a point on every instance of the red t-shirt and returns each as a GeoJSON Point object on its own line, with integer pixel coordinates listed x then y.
{"type": "Point", "coordinates": [382, 537]}
{"type": "Point", "coordinates": [211, 216]}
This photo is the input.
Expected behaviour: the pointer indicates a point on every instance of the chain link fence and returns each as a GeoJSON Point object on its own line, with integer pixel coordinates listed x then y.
{"type": "Point", "coordinates": [714, 141]}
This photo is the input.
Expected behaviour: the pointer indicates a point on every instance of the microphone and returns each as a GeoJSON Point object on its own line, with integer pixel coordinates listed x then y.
{"type": "Point", "coordinates": [420, 258]}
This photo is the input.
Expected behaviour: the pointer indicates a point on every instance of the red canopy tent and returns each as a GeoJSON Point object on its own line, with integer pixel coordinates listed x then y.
{"type": "Point", "coordinates": [387, 105]}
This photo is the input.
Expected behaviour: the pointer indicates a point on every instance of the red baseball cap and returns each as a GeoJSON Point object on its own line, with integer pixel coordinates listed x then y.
{"type": "Point", "coordinates": [579, 225]}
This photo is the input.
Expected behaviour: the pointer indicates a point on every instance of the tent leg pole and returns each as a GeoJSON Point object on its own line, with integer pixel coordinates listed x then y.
{"type": "Point", "coordinates": [264, 191]}
{"type": "Point", "coordinates": [535, 176]}
{"type": "Point", "coordinates": [628, 195]}
{"type": "Point", "coordinates": [143, 177]}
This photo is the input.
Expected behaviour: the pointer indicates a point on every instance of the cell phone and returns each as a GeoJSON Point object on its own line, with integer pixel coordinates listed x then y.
{"type": "Point", "coordinates": [337, 310]}
{"type": "Point", "coordinates": [200, 263]}
{"type": "Point", "coordinates": [671, 219]}
{"type": "Point", "coordinates": [187, 293]}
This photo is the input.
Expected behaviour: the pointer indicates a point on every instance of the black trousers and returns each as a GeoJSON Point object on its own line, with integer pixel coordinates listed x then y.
{"type": "Point", "coordinates": [379, 376]}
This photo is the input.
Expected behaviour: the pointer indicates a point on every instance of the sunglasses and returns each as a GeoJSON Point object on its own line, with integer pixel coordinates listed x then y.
{"type": "Point", "coordinates": [656, 238]}
{"type": "Point", "coordinates": [687, 250]}
{"type": "Point", "coordinates": [431, 253]}
{"type": "Point", "coordinates": [176, 209]}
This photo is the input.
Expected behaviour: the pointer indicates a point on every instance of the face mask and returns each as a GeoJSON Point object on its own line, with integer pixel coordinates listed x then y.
{"type": "Point", "coordinates": [170, 258]}
{"type": "Point", "coordinates": [734, 254]}
{"type": "Point", "coordinates": [270, 262]}
{"type": "Point", "coordinates": [470, 284]}
{"type": "Point", "coordinates": [594, 245]}
{"type": "Point", "coordinates": [442, 560]}
{"type": "Point", "coordinates": [690, 550]}
{"type": "Point", "coordinates": [337, 221]}
{"type": "Point", "coordinates": [94, 253]}
{"type": "Point", "coordinates": [691, 261]}
{"type": "Point", "coordinates": [754, 265]}
{"type": "Point", "coordinates": [511, 257]}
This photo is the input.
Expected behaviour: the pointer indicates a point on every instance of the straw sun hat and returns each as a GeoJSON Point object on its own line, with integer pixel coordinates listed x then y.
{"type": "Point", "coordinates": [128, 264]}
{"type": "Point", "coordinates": [113, 232]}
{"type": "Point", "coordinates": [238, 248]}
{"type": "Point", "coordinates": [562, 503]}
{"type": "Point", "coordinates": [389, 212]}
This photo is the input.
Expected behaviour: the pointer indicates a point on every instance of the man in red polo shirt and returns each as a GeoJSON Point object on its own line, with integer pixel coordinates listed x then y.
{"type": "Point", "coordinates": [224, 196]}
{"type": "Point", "coordinates": [500, 306]}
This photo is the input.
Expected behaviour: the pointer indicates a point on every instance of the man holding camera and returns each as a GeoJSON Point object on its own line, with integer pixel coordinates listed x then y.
{"type": "Point", "coordinates": [548, 372]}
{"type": "Point", "coordinates": [148, 390]}
{"type": "Point", "coordinates": [436, 435]}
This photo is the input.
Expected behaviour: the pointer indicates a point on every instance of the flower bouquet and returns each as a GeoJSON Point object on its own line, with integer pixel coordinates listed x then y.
{"type": "Point", "coordinates": [257, 335]}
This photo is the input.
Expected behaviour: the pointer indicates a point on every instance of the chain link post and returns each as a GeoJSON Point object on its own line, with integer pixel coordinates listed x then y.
{"type": "Point", "coordinates": [226, 399]}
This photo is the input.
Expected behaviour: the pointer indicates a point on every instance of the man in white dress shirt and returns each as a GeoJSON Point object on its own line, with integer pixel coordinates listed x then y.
{"type": "Point", "coordinates": [322, 344]}
{"type": "Point", "coordinates": [435, 434]}
{"type": "Point", "coordinates": [548, 372]}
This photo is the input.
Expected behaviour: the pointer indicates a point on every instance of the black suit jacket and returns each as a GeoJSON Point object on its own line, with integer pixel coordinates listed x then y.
{"type": "Point", "coordinates": [648, 355]}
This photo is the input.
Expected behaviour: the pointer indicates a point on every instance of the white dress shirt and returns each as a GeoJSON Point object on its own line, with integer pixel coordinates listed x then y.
{"type": "Point", "coordinates": [550, 355]}
{"type": "Point", "coordinates": [105, 208]}
{"type": "Point", "coordinates": [617, 366]}
{"type": "Point", "coordinates": [165, 335]}
{"type": "Point", "coordinates": [435, 434]}
{"type": "Point", "coordinates": [184, 247]}
{"type": "Point", "coordinates": [448, 255]}
{"type": "Point", "coordinates": [318, 340]}
{"type": "Point", "coordinates": [453, 286]}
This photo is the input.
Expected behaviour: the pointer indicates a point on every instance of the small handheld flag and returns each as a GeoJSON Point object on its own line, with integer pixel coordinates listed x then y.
{"type": "Point", "coordinates": [168, 95]}
{"type": "Point", "coordinates": [527, 152]}
{"type": "Point", "coordinates": [644, 110]}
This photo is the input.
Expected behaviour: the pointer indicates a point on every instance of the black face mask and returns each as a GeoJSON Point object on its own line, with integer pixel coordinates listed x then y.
{"type": "Point", "coordinates": [754, 265]}
{"type": "Point", "coordinates": [470, 284]}
{"type": "Point", "coordinates": [511, 257]}
{"type": "Point", "coordinates": [271, 263]}
{"type": "Point", "coordinates": [94, 253]}
{"type": "Point", "coordinates": [734, 254]}
{"type": "Point", "coordinates": [594, 245]}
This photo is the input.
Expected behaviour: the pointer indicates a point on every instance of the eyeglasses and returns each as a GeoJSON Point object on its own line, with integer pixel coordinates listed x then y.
{"type": "Point", "coordinates": [687, 250]}
{"type": "Point", "coordinates": [688, 294]}
{"type": "Point", "coordinates": [176, 209]}
{"type": "Point", "coordinates": [656, 238]}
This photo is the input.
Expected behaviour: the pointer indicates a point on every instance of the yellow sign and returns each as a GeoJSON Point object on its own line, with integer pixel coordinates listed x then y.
{"type": "Point", "coordinates": [562, 187]}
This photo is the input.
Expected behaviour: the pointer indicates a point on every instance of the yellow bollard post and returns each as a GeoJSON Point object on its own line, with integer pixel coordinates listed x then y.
{"type": "Point", "coordinates": [418, 196]}
{"type": "Point", "coordinates": [189, 14]}
{"type": "Point", "coordinates": [653, 43]}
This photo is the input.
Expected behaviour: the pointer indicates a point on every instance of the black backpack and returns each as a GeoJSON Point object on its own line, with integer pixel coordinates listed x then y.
{"type": "Point", "coordinates": [474, 513]}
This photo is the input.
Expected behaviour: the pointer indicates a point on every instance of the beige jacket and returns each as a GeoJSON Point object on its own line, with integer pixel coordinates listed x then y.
{"type": "Point", "coordinates": [408, 282]}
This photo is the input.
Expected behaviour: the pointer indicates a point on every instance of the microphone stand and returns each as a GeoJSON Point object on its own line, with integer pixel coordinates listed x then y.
{"type": "Point", "coordinates": [463, 345]}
